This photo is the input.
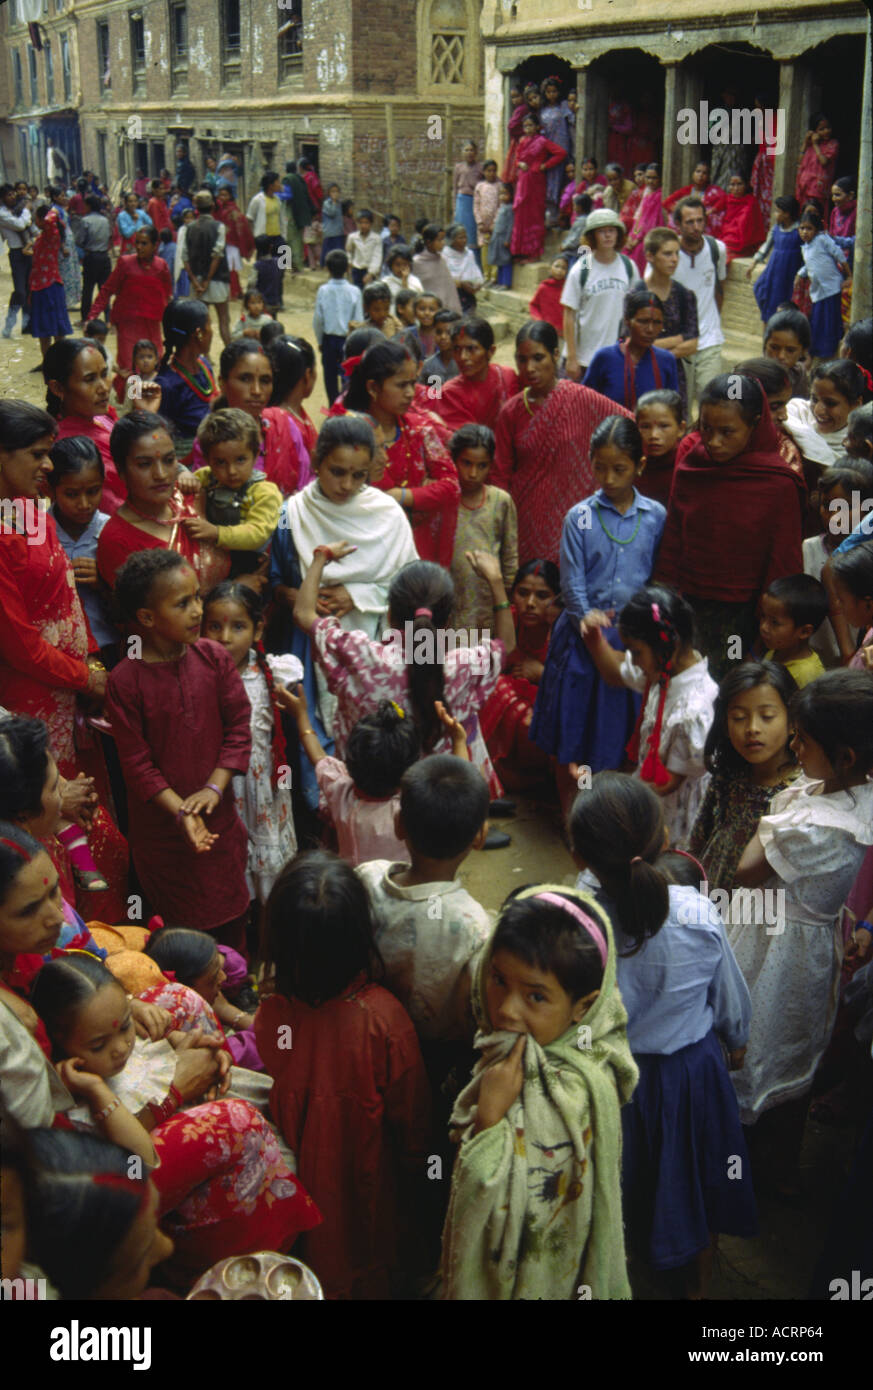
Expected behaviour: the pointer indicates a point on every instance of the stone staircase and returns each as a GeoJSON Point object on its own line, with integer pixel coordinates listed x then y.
{"type": "Point", "coordinates": [507, 310]}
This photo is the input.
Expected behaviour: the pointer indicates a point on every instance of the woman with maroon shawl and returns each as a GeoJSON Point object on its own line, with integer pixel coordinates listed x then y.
{"type": "Point", "coordinates": [477, 395]}
{"type": "Point", "coordinates": [520, 109]}
{"type": "Point", "coordinates": [743, 228]}
{"type": "Point", "coordinates": [536, 155]}
{"type": "Point", "coordinates": [734, 518]}
{"type": "Point", "coordinates": [239, 241]}
{"type": "Point", "coordinates": [542, 453]}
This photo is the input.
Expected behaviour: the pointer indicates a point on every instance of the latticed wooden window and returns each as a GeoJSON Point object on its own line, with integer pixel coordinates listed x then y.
{"type": "Point", "coordinates": [448, 24]}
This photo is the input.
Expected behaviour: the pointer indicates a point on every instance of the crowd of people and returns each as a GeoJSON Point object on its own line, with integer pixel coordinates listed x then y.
{"type": "Point", "coordinates": [267, 682]}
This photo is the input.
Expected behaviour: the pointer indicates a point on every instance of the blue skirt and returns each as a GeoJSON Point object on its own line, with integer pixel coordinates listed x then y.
{"type": "Point", "coordinates": [685, 1166]}
{"type": "Point", "coordinates": [826, 325]}
{"type": "Point", "coordinates": [578, 717]}
{"type": "Point", "coordinates": [773, 287]}
{"type": "Point", "coordinates": [48, 312]}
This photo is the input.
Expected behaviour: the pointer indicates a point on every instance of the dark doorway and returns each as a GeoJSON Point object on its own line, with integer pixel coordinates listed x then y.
{"type": "Point", "coordinates": [838, 81]}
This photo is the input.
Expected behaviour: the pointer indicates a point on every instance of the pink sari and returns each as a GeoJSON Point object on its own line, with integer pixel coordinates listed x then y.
{"type": "Point", "coordinates": [529, 227]}
{"type": "Point", "coordinates": [650, 213]}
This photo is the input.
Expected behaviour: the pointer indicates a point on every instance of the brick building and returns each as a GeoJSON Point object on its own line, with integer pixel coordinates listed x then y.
{"type": "Point", "coordinates": [799, 55]}
{"type": "Point", "coordinates": [39, 87]}
{"type": "Point", "coordinates": [381, 95]}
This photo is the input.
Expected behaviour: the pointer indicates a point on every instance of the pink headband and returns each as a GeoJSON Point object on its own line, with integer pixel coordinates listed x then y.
{"type": "Point", "coordinates": [581, 917]}
{"type": "Point", "coordinates": [423, 613]}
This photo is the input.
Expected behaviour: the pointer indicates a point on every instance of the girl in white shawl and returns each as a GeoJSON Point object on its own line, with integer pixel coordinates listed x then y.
{"type": "Point", "coordinates": [338, 505]}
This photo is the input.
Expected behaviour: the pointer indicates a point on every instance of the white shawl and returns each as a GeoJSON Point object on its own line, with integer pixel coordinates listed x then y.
{"type": "Point", "coordinates": [373, 522]}
{"type": "Point", "coordinates": [800, 423]}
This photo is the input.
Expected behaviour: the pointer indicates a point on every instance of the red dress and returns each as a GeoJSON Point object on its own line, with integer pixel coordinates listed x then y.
{"type": "Point", "coordinates": [543, 461]}
{"type": "Point", "coordinates": [630, 205]}
{"type": "Point", "coordinates": [351, 1097]}
{"type": "Point", "coordinates": [464, 402]}
{"type": "Point", "coordinates": [761, 180]}
{"type": "Point", "coordinates": [529, 226]}
{"type": "Point", "coordinates": [743, 228]}
{"type": "Point", "coordinates": [546, 304]}
{"type": "Point", "coordinates": [98, 428]}
{"type": "Point", "coordinates": [142, 292]}
{"type": "Point", "coordinates": [173, 723]}
{"type": "Point", "coordinates": [45, 267]}
{"type": "Point", "coordinates": [418, 459]}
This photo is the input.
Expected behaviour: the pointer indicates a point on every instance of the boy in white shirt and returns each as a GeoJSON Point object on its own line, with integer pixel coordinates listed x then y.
{"type": "Point", "coordinates": [702, 268]}
{"type": "Point", "coordinates": [429, 930]}
{"type": "Point", "coordinates": [594, 291]}
{"type": "Point", "coordinates": [365, 250]}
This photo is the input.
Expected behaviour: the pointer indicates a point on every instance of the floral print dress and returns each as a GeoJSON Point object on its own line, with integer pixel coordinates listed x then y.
{"type": "Point", "coordinates": [263, 807]}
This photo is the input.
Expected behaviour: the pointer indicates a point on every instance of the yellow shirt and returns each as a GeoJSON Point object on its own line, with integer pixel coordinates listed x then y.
{"type": "Point", "coordinates": [804, 669]}
{"type": "Point", "coordinates": [271, 209]}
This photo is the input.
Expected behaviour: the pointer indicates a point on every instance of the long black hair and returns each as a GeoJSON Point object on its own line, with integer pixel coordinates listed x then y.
{"type": "Point", "coordinates": [186, 953]}
{"type": "Point", "coordinates": [57, 365]}
{"type": "Point", "coordinates": [719, 754]}
{"type": "Point", "coordinates": [292, 358]}
{"type": "Point", "coordinates": [320, 932]}
{"type": "Point", "coordinates": [617, 828]}
{"type": "Point", "coordinates": [378, 363]}
{"type": "Point", "coordinates": [836, 710]}
{"type": "Point", "coordinates": [423, 585]}
{"type": "Point", "coordinates": [24, 761]}
{"type": "Point", "coordinates": [181, 320]}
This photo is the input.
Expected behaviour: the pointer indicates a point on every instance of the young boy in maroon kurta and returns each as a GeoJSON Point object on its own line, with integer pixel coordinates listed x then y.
{"type": "Point", "coordinates": [181, 720]}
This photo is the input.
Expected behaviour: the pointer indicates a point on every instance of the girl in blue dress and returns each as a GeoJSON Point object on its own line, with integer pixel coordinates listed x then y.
{"type": "Point", "coordinates": [608, 548]}
{"type": "Point", "coordinates": [629, 368]}
{"type": "Point", "coordinates": [783, 247]}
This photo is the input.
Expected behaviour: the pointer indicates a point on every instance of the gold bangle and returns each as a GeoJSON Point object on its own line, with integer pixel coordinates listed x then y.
{"type": "Point", "coordinates": [304, 732]}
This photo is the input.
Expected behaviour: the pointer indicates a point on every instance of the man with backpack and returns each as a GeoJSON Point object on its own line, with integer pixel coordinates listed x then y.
{"type": "Point", "coordinates": [702, 268]}
{"type": "Point", "coordinates": [206, 262]}
{"type": "Point", "coordinates": [594, 291]}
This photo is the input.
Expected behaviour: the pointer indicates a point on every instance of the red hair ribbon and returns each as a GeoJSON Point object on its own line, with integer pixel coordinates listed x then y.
{"type": "Point", "coordinates": [866, 375]}
{"type": "Point", "coordinates": [349, 364]}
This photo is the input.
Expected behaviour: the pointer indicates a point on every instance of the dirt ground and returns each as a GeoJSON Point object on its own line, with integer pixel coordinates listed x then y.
{"type": "Point", "coordinates": [778, 1263]}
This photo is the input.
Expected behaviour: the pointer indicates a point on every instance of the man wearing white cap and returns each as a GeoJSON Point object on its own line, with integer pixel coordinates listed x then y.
{"type": "Point", "coordinates": [594, 291]}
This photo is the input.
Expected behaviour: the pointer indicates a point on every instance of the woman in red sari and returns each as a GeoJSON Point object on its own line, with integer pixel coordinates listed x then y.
{"type": "Point", "coordinates": [633, 199]}
{"type": "Point", "coordinates": [650, 213]}
{"type": "Point", "coordinates": [420, 474]}
{"type": "Point", "coordinates": [477, 395]}
{"type": "Point", "coordinates": [818, 162]}
{"type": "Point", "coordinates": [77, 395]}
{"type": "Point", "coordinates": [239, 242]}
{"type": "Point", "coordinates": [743, 228]}
{"type": "Point", "coordinates": [506, 715]}
{"type": "Point", "coordinates": [714, 198]}
{"type": "Point", "coordinates": [151, 518]}
{"type": "Point", "coordinates": [542, 456]}
{"type": "Point", "coordinates": [142, 288]}
{"type": "Point", "coordinates": [536, 155]}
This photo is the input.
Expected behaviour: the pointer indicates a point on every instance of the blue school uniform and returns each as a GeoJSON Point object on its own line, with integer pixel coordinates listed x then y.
{"type": "Point", "coordinates": [606, 373]}
{"type": "Point", "coordinates": [822, 259]}
{"type": "Point", "coordinates": [685, 996]}
{"type": "Point", "coordinates": [774, 286]}
{"type": "Point", "coordinates": [605, 558]}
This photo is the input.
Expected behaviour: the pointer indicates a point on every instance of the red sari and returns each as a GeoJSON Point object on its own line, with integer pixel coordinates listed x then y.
{"type": "Point", "coordinates": [516, 121]}
{"type": "Point", "coordinates": [543, 461]}
{"type": "Point", "coordinates": [529, 226]}
{"type": "Point", "coordinates": [650, 213]}
{"type": "Point", "coordinates": [761, 179]}
{"type": "Point", "coordinates": [120, 538]}
{"type": "Point", "coordinates": [44, 637]}
{"type": "Point", "coordinates": [464, 402]}
{"type": "Point", "coordinates": [418, 459]}
{"type": "Point", "coordinates": [507, 713]}
{"type": "Point", "coordinates": [743, 228]}
{"type": "Point", "coordinates": [630, 205]}
{"type": "Point", "coordinates": [238, 234]}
